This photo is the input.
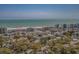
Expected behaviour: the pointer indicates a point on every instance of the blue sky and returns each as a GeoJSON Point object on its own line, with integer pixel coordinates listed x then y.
{"type": "Point", "coordinates": [39, 11]}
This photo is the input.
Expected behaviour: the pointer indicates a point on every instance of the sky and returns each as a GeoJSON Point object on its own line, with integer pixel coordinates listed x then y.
{"type": "Point", "coordinates": [39, 11]}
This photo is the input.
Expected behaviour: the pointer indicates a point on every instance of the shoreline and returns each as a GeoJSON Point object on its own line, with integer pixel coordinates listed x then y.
{"type": "Point", "coordinates": [56, 26]}
{"type": "Point", "coordinates": [14, 28]}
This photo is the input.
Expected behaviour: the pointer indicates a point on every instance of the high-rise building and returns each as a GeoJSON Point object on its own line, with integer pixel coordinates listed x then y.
{"type": "Point", "coordinates": [57, 25]}
{"type": "Point", "coordinates": [64, 25]}
{"type": "Point", "coordinates": [3, 30]}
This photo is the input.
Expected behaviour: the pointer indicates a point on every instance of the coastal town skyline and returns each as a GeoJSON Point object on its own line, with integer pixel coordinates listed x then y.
{"type": "Point", "coordinates": [39, 11]}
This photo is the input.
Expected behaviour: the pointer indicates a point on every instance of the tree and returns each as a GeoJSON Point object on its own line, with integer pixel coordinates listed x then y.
{"type": "Point", "coordinates": [20, 46]}
{"type": "Point", "coordinates": [35, 46]}
{"type": "Point", "coordinates": [1, 41]}
{"type": "Point", "coordinates": [5, 51]}
{"type": "Point", "coordinates": [17, 36]}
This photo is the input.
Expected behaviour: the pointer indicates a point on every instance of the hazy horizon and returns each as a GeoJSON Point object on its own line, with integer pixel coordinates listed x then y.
{"type": "Point", "coordinates": [39, 11]}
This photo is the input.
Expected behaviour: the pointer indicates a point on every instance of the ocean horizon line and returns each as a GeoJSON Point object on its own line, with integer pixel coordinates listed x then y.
{"type": "Point", "coordinates": [39, 19]}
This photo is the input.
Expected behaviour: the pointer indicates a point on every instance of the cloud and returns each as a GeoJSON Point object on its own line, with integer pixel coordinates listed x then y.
{"type": "Point", "coordinates": [39, 15]}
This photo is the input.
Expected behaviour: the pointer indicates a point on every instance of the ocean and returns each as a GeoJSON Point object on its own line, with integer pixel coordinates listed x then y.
{"type": "Point", "coordinates": [32, 23]}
